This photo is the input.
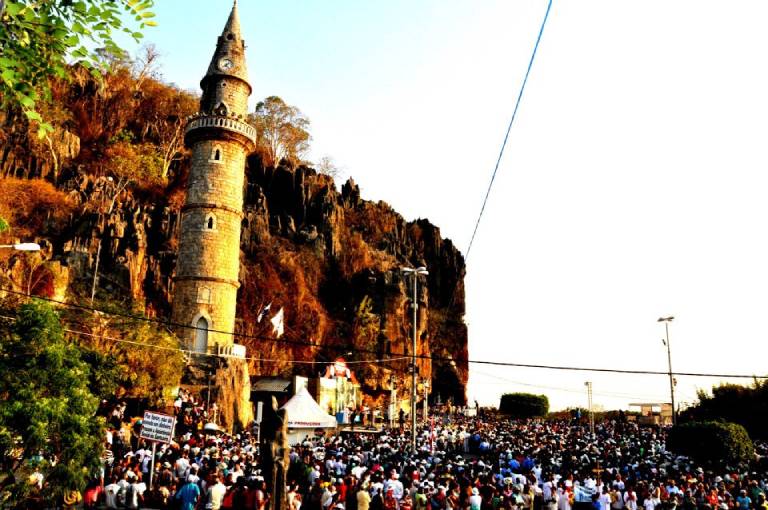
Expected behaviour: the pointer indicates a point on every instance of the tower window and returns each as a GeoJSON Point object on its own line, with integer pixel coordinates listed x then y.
{"type": "Point", "coordinates": [210, 222]}
{"type": "Point", "coordinates": [204, 295]}
{"type": "Point", "coordinates": [217, 154]}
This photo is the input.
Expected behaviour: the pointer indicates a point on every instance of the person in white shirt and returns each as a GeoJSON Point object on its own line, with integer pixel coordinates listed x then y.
{"type": "Point", "coordinates": [110, 493]}
{"type": "Point", "coordinates": [181, 466]}
{"type": "Point", "coordinates": [604, 499]}
{"type": "Point", "coordinates": [630, 499]}
{"type": "Point", "coordinates": [475, 500]}
{"type": "Point", "coordinates": [563, 502]}
{"type": "Point", "coordinates": [617, 500]}
{"type": "Point", "coordinates": [135, 496]}
{"type": "Point", "coordinates": [216, 493]}
{"type": "Point", "coordinates": [653, 501]}
{"type": "Point", "coordinates": [549, 493]}
{"type": "Point", "coordinates": [396, 485]}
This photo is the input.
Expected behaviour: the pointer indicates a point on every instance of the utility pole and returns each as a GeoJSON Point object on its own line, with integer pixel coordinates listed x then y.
{"type": "Point", "coordinates": [666, 321]}
{"type": "Point", "coordinates": [588, 384]}
{"type": "Point", "coordinates": [392, 400]}
{"type": "Point", "coordinates": [415, 272]}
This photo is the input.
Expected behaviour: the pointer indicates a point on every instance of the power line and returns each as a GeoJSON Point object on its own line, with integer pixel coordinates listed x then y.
{"type": "Point", "coordinates": [198, 353]}
{"type": "Point", "coordinates": [509, 128]}
{"type": "Point", "coordinates": [570, 390]}
{"type": "Point", "coordinates": [442, 359]}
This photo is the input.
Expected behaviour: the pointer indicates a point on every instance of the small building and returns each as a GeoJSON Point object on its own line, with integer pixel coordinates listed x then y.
{"type": "Point", "coordinates": [337, 390]}
{"type": "Point", "coordinates": [654, 413]}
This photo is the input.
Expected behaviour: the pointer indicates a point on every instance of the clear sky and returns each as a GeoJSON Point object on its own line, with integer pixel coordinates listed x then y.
{"type": "Point", "coordinates": [633, 186]}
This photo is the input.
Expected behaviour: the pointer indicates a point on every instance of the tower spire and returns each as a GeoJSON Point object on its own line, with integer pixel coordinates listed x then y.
{"type": "Point", "coordinates": [229, 57]}
{"type": "Point", "coordinates": [233, 23]}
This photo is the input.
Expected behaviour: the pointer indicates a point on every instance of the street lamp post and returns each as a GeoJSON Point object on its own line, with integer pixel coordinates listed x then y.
{"type": "Point", "coordinates": [666, 321]}
{"type": "Point", "coordinates": [415, 272]}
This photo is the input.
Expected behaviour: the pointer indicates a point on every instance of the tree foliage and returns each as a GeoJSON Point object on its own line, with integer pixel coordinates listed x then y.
{"type": "Point", "coordinates": [32, 206]}
{"type": "Point", "coordinates": [524, 405]}
{"type": "Point", "coordinates": [47, 408]}
{"type": "Point", "coordinates": [712, 442]}
{"type": "Point", "coordinates": [144, 363]}
{"type": "Point", "coordinates": [282, 131]}
{"type": "Point", "coordinates": [39, 37]}
{"type": "Point", "coordinates": [745, 405]}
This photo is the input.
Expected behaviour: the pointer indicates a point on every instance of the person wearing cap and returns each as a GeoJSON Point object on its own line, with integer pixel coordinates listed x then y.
{"type": "Point", "coordinates": [188, 495]}
{"type": "Point", "coordinates": [475, 500]}
{"type": "Point", "coordinates": [743, 501]}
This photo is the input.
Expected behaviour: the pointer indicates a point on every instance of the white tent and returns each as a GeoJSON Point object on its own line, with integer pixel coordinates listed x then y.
{"type": "Point", "coordinates": [304, 413]}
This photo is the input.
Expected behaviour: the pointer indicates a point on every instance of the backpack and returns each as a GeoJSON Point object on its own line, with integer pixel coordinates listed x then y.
{"type": "Point", "coordinates": [129, 495]}
{"type": "Point", "coordinates": [121, 496]}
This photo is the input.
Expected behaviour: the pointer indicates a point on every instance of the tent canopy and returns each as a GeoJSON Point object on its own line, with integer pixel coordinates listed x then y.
{"type": "Point", "coordinates": [304, 413]}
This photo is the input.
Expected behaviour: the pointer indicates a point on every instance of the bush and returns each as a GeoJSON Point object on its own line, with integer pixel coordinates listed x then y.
{"type": "Point", "coordinates": [712, 442]}
{"type": "Point", "coordinates": [524, 405]}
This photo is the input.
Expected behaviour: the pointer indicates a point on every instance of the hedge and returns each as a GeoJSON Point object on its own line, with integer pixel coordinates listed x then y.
{"type": "Point", "coordinates": [712, 442]}
{"type": "Point", "coordinates": [524, 405]}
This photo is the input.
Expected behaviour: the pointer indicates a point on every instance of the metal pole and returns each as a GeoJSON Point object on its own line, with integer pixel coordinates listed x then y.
{"type": "Point", "coordinates": [588, 384]}
{"type": "Point", "coordinates": [426, 404]}
{"type": "Point", "coordinates": [152, 465]}
{"type": "Point", "coordinates": [413, 362]}
{"type": "Point", "coordinates": [671, 379]}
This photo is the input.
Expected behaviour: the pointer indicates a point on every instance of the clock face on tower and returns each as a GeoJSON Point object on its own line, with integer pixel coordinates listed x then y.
{"type": "Point", "coordinates": [225, 64]}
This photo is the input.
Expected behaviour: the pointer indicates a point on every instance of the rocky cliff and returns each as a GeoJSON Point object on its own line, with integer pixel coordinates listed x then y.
{"type": "Point", "coordinates": [328, 258]}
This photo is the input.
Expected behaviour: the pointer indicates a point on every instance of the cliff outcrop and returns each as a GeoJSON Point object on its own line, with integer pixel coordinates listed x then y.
{"type": "Point", "coordinates": [328, 258]}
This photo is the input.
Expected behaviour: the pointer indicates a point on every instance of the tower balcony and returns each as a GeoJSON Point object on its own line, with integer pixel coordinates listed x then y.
{"type": "Point", "coordinates": [220, 123]}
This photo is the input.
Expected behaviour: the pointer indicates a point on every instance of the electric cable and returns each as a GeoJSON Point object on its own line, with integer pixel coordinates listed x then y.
{"type": "Point", "coordinates": [509, 128]}
{"type": "Point", "coordinates": [442, 359]}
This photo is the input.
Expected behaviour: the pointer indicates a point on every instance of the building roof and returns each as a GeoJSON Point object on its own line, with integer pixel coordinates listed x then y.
{"type": "Point", "coordinates": [271, 385]}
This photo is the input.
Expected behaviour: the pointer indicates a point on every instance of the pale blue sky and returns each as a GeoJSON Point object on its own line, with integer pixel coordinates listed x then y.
{"type": "Point", "coordinates": [633, 186]}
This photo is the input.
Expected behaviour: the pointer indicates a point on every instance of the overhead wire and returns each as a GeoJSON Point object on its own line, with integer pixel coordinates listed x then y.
{"type": "Point", "coordinates": [509, 128]}
{"type": "Point", "coordinates": [198, 353]}
{"type": "Point", "coordinates": [442, 359]}
{"type": "Point", "coordinates": [572, 390]}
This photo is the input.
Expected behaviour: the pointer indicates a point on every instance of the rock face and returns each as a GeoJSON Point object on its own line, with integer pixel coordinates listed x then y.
{"type": "Point", "coordinates": [329, 259]}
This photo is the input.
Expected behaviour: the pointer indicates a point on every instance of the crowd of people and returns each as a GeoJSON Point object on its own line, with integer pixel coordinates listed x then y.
{"type": "Point", "coordinates": [461, 463]}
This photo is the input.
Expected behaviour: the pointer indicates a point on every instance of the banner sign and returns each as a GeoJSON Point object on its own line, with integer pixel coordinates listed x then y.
{"type": "Point", "coordinates": [158, 427]}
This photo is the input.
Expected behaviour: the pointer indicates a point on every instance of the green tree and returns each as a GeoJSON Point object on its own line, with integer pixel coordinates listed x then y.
{"type": "Point", "coordinates": [712, 442]}
{"type": "Point", "coordinates": [39, 37]}
{"type": "Point", "coordinates": [47, 409]}
{"type": "Point", "coordinates": [524, 405]}
{"type": "Point", "coordinates": [745, 405]}
{"type": "Point", "coordinates": [282, 131]}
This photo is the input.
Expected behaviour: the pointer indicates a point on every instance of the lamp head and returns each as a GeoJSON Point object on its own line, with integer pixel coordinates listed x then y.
{"type": "Point", "coordinates": [26, 247]}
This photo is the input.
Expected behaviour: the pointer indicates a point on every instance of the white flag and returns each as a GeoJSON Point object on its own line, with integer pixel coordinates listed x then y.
{"type": "Point", "coordinates": [263, 312]}
{"type": "Point", "coordinates": [277, 323]}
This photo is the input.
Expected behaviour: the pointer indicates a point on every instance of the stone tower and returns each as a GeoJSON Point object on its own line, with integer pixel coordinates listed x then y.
{"type": "Point", "coordinates": [207, 268]}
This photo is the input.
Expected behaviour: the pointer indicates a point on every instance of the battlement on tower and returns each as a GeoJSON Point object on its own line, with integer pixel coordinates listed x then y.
{"type": "Point", "coordinates": [231, 123]}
